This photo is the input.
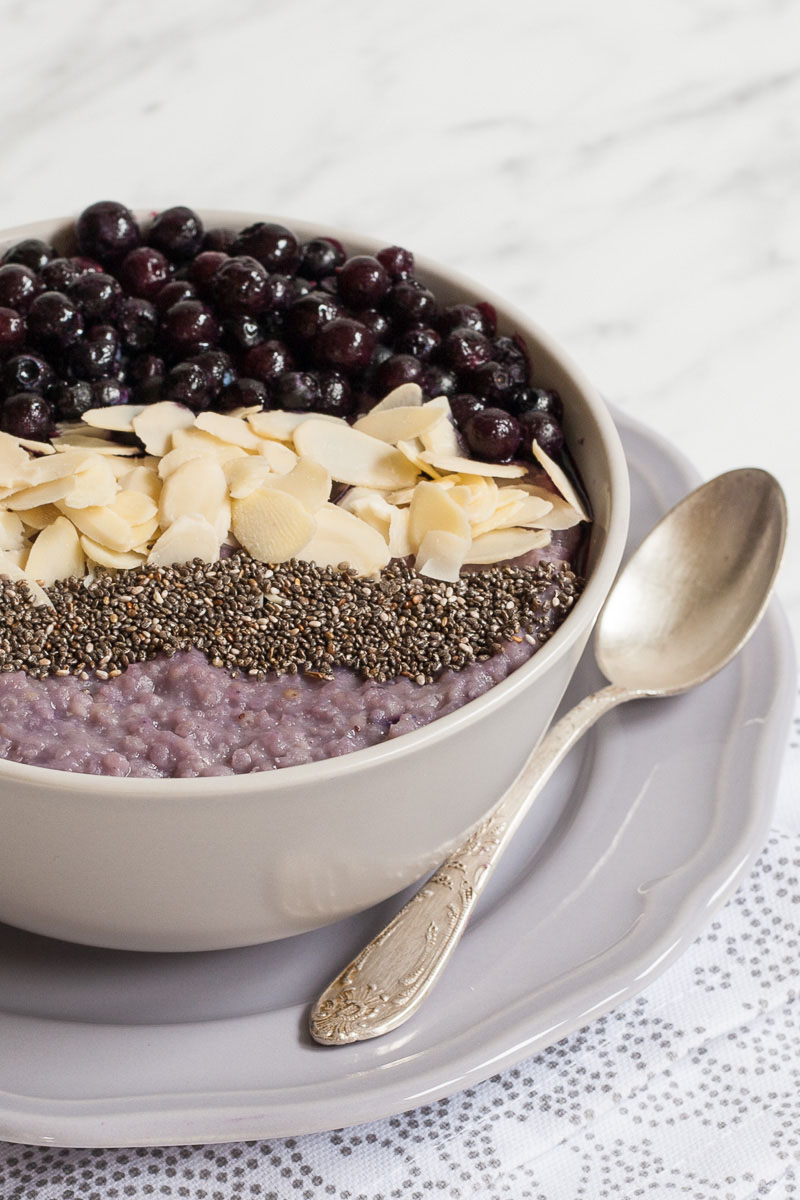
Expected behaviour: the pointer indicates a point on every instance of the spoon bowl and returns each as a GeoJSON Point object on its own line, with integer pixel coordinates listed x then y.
{"type": "Point", "coordinates": [691, 595]}
{"type": "Point", "coordinates": [681, 608]}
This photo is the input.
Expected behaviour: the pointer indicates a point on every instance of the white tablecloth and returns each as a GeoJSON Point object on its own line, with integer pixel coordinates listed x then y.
{"type": "Point", "coordinates": [690, 1090]}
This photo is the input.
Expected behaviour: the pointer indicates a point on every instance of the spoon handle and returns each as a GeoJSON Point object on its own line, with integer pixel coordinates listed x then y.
{"type": "Point", "coordinates": [388, 980]}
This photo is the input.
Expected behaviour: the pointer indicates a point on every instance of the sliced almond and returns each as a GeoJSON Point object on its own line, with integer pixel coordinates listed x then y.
{"type": "Point", "coordinates": [280, 458]}
{"type": "Point", "coordinates": [116, 417]}
{"type": "Point", "coordinates": [134, 507]}
{"type": "Point", "coordinates": [411, 448]}
{"type": "Point", "coordinates": [280, 426]}
{"type": "Point", "coordinates": [36, 447]}
{"type": "Point", "coordinates": [38, 518]}
{"type": "Point", "coordinates": [95, 484]}
{"type": "Point", "coordinates": [433, 508]}
{"type": "Point", "coordinates": [407, 395]}
{"type": "Point", "coordinates": [42, 493]}
{"type": "Point", "coordinates": [503, 544]}
{"type": "Point", "coordinates": [16, 574]}
{"type": "Point", "coordinates": [398, 424]}
{"type": "Point", "coordinates": [102, 525]}
{"type": "Point", "coordinates": [342, 537]}
{"type": "Point", "coordinates": [231, 430]}
{"type": "Point", "coordinates": [477, 495]}
{"type": "Point", "coordinates": [197, 487]}
{"type": "Point", "coordinates": [141, 479]}
{"type": "Point", "coordinates": [560, 480]}
{"type": "Point", "coordinates": [59, 466]}
{"type": "Point", "coordinates": [98, 445]}
{"type": "Point", "coordinates": [56, 554]}
{"type": "Point", "coordinates": [441, 437]}
{"type": "Point", "coordinates": [13, 462]}
{"type": "Point", "coordinates": [441, 555]}
{"type": "Point", "coordinates": [353, 457]}
{"type": "Point", "coordinates": [561, 515]}
{"type": "Point", "coordinates": [156, 423]}
{"type": "Point", "coordinates": [520, 510]}
{"type": "Point", "coordinates": [399, 540]}
{"type": "Point", "coordinates": [115, 559]}
{"type": "Point", "coordinates": [195, 444]}
{"type": "Point", "coordinates": [308, 482]}
{"type": "Point", "coordinates": [12, 531]}
{"type": "Point", "coordinates": [245, 475]}
{"type": "Point", "coordinates": [471, 466]}
{"type": "Point", "coordinates": [188, 537]}
{"type": "Point", "coordinates": [272, 525]}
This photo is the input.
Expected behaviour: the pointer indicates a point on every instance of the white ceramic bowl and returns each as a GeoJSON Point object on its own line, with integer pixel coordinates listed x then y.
{"type": "Point", "coordinates": [199, 864]}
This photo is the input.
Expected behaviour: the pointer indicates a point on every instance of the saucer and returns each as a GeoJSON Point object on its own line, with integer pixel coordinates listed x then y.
{"type": "Point", "coordinates": [640, 836]}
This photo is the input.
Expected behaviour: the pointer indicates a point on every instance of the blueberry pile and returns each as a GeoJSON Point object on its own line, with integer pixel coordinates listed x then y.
{"type": "Point", "coordinates": [220, 318]}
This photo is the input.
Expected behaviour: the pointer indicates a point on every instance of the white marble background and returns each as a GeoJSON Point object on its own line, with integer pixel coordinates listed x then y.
{"type": "Point", "coordinates": [628, 173]}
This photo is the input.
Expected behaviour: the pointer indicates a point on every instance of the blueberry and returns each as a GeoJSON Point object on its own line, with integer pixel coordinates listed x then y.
{"type": "Point", "coordinates": [187, 383]}
{"type": "Point", "coordinates": [464, 406]}
{"type": "Point", "coordinates": [493, 435]}
{"type": "Point", "coordinates": [461, 316]}
{"type": "Point", "coordinates": [12, 332]}
{"type": "Point", "coordinates": [363, 281]}
{"type": "Point", "coordinates": [494, 383]}
{"type": "Point", "coordinates": [177, 232]}
{"type": "Point", "coordinates": [530, 399]}
{"type": "Point", "coordinates": [465, 349]}
{"type": "Point", "coordinates": [319, 257]}
{"type": "Point", "coordinates": [399, 263]}
{"type": "Point", "coordinates": [296, 391]}
{"type": "Point", "coordinates": [344, 344]}
{"type": "Point", "coordinates": [394, 371]}
{"type": "Point", "coordinates": [268, 361]}
{"type": "Point", "coordinates": [438, 381]}
{"type": "Point", "coordinates": [137, 322]}
{"type": "Point", "coordinates": [420, 342]}
{"type": "Point", "coordinates": [28, 415]}
{"type": "Point", "coordinates": [275, 246]}
{"type": "Point", "coordinates": [107, 231]}
{"type": "Point", "coordinates": [96, 295]}
{"type": "Point", "coordinates": [189, 328]}
{"type": "Point", "coordinates": [335, 394]}
{"type": "Point", "coordinates": [18, 287]}
{"type": "Point", "coordinates": [27, 373]}
{"type": "Point", "coordinates": [543, 428]}
{"type": "Point", "coordinates": [376, 321]}
{"type": "Point", "coordinates": [242, 393]}
{"type": "Point", "coordinates": [97, 354]}
{"type": "Point", "coordinates": [71, 400]}
{"type": "Point", "coordinates": [106, 392]}
{"type": "Point", "coordinates": [201, 270]}
{"type": "Point", "coordinates": [142, 367]}
{"type": "Point", "coordinates": [412, 304]}
{"type": "Point", "coordinates": [240, 286]}
{"type": "Point", "coordinates": [59, 274]}
{"type": "Point", "coordinates": [220, 240]}
{"type": "Point", "coordinates": [512, 354]}
{"type": "Point", "coordinates": [31, 252]}
{"type": "Point", "coordinates": [173, 292]}
{"type": "Point", "coordinates": [144, 271]}
{"type": "Point", "coordinates": [306, 317]}
{"type": "Point", "coordinates": [242, 332]}
{"type": "Point", "coordinates": [218, 367]}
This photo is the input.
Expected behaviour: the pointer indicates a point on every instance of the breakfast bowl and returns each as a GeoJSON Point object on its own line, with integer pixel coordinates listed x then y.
{"type": "Point", "coordinates": [219, 861]}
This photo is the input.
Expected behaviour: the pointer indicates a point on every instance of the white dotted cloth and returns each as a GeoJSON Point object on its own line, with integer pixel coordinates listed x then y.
{"type": "Point", "coordinates": [691, 1090]}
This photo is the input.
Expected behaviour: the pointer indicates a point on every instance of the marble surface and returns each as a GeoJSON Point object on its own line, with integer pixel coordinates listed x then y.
{"type": "Point", "coordinates": [627, 174]}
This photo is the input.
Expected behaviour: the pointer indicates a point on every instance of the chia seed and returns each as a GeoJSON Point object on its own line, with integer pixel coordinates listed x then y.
{"type": "Point", "coordinates": [285, 618]}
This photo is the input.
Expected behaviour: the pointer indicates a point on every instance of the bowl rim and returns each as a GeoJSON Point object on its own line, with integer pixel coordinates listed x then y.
{"type": "Point", "coordinates": [334, 770]}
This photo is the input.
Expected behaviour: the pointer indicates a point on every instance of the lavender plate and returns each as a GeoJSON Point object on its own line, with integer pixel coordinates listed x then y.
{"type": "Point", "coordinates": [639, 838]}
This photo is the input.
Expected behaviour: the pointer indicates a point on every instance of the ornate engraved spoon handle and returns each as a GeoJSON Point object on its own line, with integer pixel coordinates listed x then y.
{"type": "Point", "coordinates": [388, 980]}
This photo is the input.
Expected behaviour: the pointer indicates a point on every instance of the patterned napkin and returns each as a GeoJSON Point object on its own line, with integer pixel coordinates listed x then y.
{"type": "Point", "coordinates": [690, 1090]}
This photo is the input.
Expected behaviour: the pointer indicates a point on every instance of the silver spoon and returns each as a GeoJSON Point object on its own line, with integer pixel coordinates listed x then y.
{"type": "Point", "coordinates": [681, 608]}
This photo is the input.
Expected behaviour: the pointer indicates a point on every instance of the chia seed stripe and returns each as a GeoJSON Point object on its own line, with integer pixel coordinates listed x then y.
{"type": "Point", "coordinates": [251, 618]}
